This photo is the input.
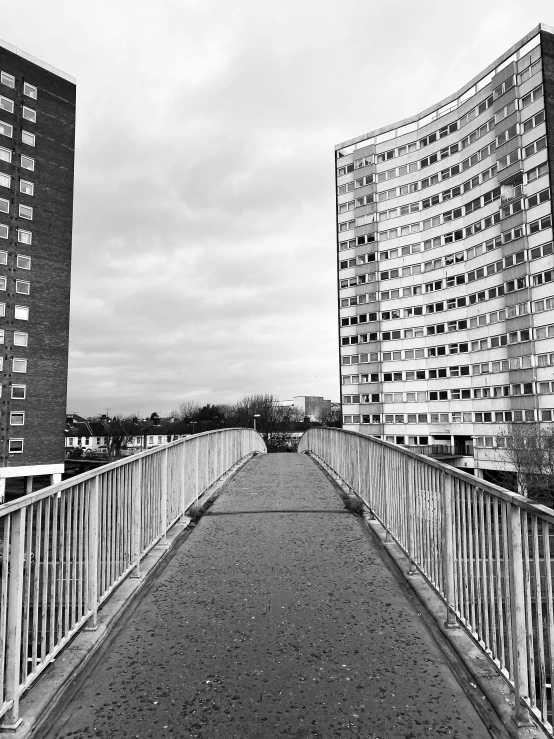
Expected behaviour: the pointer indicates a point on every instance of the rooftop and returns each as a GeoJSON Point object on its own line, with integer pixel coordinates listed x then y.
{"type": "Point", "coordinates": [38, 62]}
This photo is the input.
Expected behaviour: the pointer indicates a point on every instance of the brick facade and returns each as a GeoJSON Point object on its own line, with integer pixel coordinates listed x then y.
{"type": "Point", "coordinates": [50, 252]}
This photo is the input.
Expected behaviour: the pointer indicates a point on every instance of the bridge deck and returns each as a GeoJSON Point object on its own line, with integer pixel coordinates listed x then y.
{"type": "Point", "coordinates": [276, 617]}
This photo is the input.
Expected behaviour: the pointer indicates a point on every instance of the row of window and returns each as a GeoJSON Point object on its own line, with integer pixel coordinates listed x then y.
{"type": "Point", "coordinates": [22, 261]}
{"type": "Point", "coordinates": [511, 311]}
{"type": "Point", "coordinates": [25, 211]}
{"type": "Point", "coordinates": [518, 416]}
{"type": "Point", "coordinates": [23, 236]}
{"type": "Point", "coordinates": [509, 286]}
{"type": "Point", "coordinates": [9, 81]}
{"type": "Point", "coordinates": [440, 263]}
{"type": "Point", "coordinates": [25, 187]}
{"type": "Point", "coordinates": [436, 373]}
{"type": "Point", "coordinates": [18, 364]}
{"type": "Point", "coordinates": [480, 393]}
{"type": "Point", "coordinates": [20, 338]}
{"type": "Point", "coordinates": [451, 127]}
{"type": "Point", "coordinates": [21, 286]}
{"type": "Point", "coordinates": [482, 130]}
{"type": "Point", "coordinates": [532, 175]}
{"type": "Point", "coordinates": [21, 312]}
{"type": "Point", "coordinates": [515, 207]}
{"type": "Point", "coordinates": [490, 342]}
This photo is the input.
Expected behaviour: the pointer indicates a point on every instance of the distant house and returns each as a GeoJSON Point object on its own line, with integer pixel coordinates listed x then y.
{"type": "Point", "coordinates": [132, 435]}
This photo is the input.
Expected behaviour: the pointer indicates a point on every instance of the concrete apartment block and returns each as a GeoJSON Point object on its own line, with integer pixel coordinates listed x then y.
{"type": "Point", "coordinates": [37, 133]}
{"type": "Point", "coordinates": [446, 266]}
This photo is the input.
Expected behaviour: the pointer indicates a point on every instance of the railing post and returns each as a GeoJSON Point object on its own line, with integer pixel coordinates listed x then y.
{"type": "Point", "coordinates": [183, 479]}
{"type": "Point", "coordinates": [448, 550]}
{"type": "Point", "coordinates": [517, 602]}
{"type": "Point", "coordinates": [197, 468]}
{"type": "Point", "coordinates": [410, 499]}
{"type": "Point", "coordinates": [15, 603]}
{"type": "Point", "coordinates": [93, 534]}
{"type": "Point", "coordinates": [136, 520]}
{"type": "Point", "coordinates": [163, 500]}
{"type": "Point", "coordinates": [383, 478]}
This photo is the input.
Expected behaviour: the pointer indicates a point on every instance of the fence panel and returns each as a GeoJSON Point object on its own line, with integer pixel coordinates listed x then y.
{"type": "Point", "coordinates": [487, 551]}
{"type": "Point", "coordinates": [65, 548]}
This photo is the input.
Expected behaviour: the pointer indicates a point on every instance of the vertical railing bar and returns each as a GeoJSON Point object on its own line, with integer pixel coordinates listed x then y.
{"type": "Point", "coordinates": [519, 628]}
{"type": "Point", "coordinates": [68, 537]}
{"type": "Point", "coordinates": [45, 579]}
{"type": "Point", "coordinates": [14, 623]}
{"type": "Point", "coordinates": [540, 636]}
{"type": "Point", "coordinates": [549, 606]}
{"type": "Point", "coordinates": [27, 594]}
{"type": "Point", "coordinates": [528, 614]}
{"type": "Point", "coordinates": [484, 572]}
{"type": "Point", "coordinates": [35, 569]}
{"type": "Point", "coordinates": [448, 549]}
{"type": "Point", "coordinates": [93, 546]}
{"type": "Point", "coordinates": [501, 566]}
{"type": "Point", "coordinates": [74, 550]}
{"type": "Point", "coordinates": [491, 578]}
{"type": "Point", "coordinates": [5, 561]}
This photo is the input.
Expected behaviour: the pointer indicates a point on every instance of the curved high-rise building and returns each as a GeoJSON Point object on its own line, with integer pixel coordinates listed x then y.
{"type": "Point", "coordinates": [446, 266]}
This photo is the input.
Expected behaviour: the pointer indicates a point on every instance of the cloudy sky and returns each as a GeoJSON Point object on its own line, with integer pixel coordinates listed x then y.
{"type": "Point", "coordinates": [204, 237]}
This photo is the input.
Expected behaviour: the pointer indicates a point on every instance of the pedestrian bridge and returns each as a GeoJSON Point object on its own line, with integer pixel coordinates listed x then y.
{"type": "Point", "coordinates": [280, 613]}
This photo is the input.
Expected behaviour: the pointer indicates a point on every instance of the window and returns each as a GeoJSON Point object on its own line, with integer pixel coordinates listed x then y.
{"type": "Point", "coordinates": [18, 392]}
{"type": "Point", "coordinates": [29, 114]}
{"type": "Point", "coordinates": [27, 163]}
{"type": "Point", "coordinates": [6, 129]}
{"type": "Point", "coordinates": [24, 288]}
{"type": "Point", "coordinates": [20, 338]}
{"type": "Point", "coordinates": [27, 187]}
{"type": "Point", "coordinates": [19, 365]}
{"type": "Point", "coordinates": [5, 180]}
{"type": "Point", "coordinates": [3, 231]}
{"type": "Point", "coordinates": [6, 104]}
{"type": "Point", "coordinates": [17, 418]}
{"type": "Point", "coordinates": [25, 211]}
{"type": "Point", "coordinates": [23, 262]}
{"type": "Point", "coordinates": [24, 237]}
{"type": "Point", "coordinates": [22, 312]}
{"type": "Point", "coordinates": [7, 79]}
{"type": "Point", "coordinates": [28, 138]}
{"type": "Point", "coordinates": [30, 90]}
{"type": "Point", "coordinates": [5, 155]}
{"type": "Point", "coordinates": [16, 446]}
{"type": "Point", "coordinates": [4, 206]}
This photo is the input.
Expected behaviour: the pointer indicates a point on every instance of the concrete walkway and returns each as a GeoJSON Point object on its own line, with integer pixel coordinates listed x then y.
{"type": "Point", "coordinates": [276, 618]}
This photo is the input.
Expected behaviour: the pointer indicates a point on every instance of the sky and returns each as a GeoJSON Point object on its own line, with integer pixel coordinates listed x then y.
{"type": "Point", "coordinates": [204, 246]}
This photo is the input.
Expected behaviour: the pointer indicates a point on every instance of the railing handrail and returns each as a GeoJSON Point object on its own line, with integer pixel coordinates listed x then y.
{"type": "Point", "coordinates": [68, 546]}
{"type": "Point", "coordinates": [490, 487]}
{"type": "Point", "coordinates": [486, 551]}
{"type": "Point", "coordinates": [30, 498]}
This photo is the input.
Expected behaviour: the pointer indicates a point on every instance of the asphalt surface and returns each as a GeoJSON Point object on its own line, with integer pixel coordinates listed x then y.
{"type": "Point", "coordinates": [276, 618]}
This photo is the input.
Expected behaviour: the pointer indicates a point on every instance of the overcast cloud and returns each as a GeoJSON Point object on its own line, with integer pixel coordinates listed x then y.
{"type": "Point", "coordinates": [204, 236]}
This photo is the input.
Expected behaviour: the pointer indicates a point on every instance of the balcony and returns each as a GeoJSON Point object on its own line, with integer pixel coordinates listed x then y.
{"type": "Point", "coordinates": [512, 194]}
{"type": "Point", "coordinates": [444, 451]}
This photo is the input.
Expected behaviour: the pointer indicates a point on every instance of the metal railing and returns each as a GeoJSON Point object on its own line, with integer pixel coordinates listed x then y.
{"type": "Point", "coordinates": [511, 194]}
{"type": "Point", "coordinates": [67, 547]}
{"type": "Point", "coordinates": [486, 551]}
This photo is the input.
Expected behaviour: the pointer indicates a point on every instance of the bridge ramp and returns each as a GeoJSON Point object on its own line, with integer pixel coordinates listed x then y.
{"type": "Point", "coordinates": [277, 617]}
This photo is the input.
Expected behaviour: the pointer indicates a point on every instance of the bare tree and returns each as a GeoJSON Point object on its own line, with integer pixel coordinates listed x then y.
{"type": "Point", "coordinates": [528, 449]}
{"type": "Point", "coordinates": [188, 409]}
{"type": "Point", "coordinates": [330, 417]}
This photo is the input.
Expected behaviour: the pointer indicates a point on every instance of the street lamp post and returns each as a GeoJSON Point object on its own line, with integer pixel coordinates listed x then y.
{"type": "Point", "coordinates": [256, 415]}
